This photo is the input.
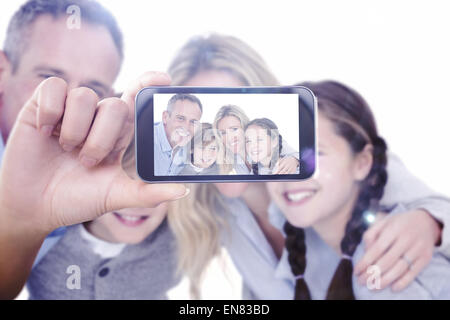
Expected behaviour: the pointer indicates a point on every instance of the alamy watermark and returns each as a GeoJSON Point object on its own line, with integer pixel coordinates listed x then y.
{"type": "Point", "coordinates": [74, 19]}
{"type": "Point", "coordinates": [73, 282]}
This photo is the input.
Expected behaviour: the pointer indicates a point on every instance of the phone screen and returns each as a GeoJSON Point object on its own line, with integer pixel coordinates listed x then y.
{"type": "Point", "coordinates": [224, 134]}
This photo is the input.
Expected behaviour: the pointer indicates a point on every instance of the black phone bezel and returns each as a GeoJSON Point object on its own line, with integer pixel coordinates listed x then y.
{"type": "Point", "coordinates": [144, 134]}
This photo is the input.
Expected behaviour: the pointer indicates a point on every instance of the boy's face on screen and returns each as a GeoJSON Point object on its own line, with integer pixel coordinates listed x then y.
{"type": "Point", "coordinates": [205, 156]}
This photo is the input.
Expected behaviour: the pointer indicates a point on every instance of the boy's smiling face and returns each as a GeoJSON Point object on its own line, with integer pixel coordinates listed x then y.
{"type": "Point", "coordinates": [205, 156]}
{"type": "Point", "coordinates": [130, 225]}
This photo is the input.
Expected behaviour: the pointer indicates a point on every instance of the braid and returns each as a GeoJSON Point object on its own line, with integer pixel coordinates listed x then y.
{"type": "Point", "coordinates": [275, 156]}
{"type": "Point", "coordinates": [296, 248]}
{"type": "Point", "coordinates": [280, 144]}
{"type": "Point", "coordinates": [255, 168]}
{"type": "Point", "coordinates": [372, 190]}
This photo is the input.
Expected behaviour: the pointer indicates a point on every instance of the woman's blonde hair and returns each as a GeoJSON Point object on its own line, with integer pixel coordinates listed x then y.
{"type": "Point", "coordinates": [231, 111]}
{"type": "Point", "coordinates": [194, 219]}
{"type": "Point", "coordinates": [221, 53]}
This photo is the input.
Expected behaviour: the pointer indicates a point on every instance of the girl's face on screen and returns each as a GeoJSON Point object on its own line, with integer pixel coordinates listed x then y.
{"type": "Point", "coordinates": [258, 145]}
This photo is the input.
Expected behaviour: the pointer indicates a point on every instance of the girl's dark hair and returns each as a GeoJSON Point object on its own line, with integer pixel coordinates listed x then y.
{"type": "Point", "coordinates": [270, 127]}
{"type": "Point", "coordinates": [354, 121]}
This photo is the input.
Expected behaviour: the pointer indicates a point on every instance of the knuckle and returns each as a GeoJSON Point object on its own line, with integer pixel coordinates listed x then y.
{"type": "Point", "coordinates": [83, 95]}
{"type": "Point", "coordinates": [97, 148]}
{"type": "Point", "coordinates": [71, 139]}
{"type": "Point", "coordinates": [115, 105]}
{"type": "Point", "coordinates": [54, 83]}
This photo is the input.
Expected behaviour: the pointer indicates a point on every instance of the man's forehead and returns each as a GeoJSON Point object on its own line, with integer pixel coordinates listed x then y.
{"type": "Point", "coordinates": [186, 106]}
{"type": "Point", "coordinates": [89, 51]}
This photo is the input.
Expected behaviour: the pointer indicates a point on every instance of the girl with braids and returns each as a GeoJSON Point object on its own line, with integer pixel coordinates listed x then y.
{"type": "Point", "coordinates": [253, 242]}
{"type": "Point", "coordinates": [263, 145]}
{"type": "Point", "coordinates": [327, 215]}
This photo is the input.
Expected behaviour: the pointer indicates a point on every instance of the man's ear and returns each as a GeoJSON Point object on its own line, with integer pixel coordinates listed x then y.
{"type": "Point", "coordinates": [5, 70]}
{"type": "Point", "coordinates": [165, 117]}
{"type": "Point", "coordinates": [363, 163]}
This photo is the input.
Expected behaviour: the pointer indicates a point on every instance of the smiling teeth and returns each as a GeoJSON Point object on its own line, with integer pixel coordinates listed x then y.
{"type": "Point", "coordinates": [183, 133]}
{"type": "Point", "coordinates": [130, 218]}
{"type": "Point", "coordinates": [298, 196]}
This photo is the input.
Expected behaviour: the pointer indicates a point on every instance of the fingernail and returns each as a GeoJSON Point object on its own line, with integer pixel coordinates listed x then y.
{"type": "Point", "coordinates": [47, 130]}
{"type": "Point", "coordinates": [187, 191]}
{"type": "Point", "coordinates": [88, 162]}
{"type": "Point", "coordinates": [68, 148]}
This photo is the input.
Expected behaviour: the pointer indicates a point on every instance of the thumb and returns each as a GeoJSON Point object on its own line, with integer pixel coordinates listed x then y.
{"type": "Point", "coordinates": [129, 193]}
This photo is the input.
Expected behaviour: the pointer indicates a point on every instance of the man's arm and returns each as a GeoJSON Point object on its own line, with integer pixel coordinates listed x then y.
{"type": "Point", "coordinates": [19, 245]}
{"type": "Point", "coordinates": [403, 187]}
{"type": "Point", "coordinates": [415, 233]}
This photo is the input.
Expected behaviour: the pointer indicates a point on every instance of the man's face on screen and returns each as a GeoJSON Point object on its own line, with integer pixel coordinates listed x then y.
{"type": "Point", "coordinates": [86, 57]}
{"type": "Point", "coordinates": [181, 123]}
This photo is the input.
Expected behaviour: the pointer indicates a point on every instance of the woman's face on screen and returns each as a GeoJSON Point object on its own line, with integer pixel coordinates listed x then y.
{"type": "Point", "coordinates": [215, 78]}
{"type": "Point", "coordinates": [232, 134]}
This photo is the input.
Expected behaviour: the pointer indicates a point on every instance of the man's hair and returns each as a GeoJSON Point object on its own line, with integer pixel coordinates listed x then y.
{"type": "Point", "coordinates": [19, 27]}
{"type": "Point", "coordinates": [183, 96]}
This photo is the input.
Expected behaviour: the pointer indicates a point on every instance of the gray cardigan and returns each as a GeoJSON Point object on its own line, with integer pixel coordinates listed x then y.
{"type": "Point", "coordinates": [143, 271]}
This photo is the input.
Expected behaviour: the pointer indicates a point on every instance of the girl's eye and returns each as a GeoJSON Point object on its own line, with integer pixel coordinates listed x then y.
{"type": "Point", "coordinates": [321, 153]}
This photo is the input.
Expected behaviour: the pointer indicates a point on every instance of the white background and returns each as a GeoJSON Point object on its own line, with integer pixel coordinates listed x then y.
{"type": "Point", "coordinates": [282, 109]}
{"type": "Point", "coordinates": [395, 53]}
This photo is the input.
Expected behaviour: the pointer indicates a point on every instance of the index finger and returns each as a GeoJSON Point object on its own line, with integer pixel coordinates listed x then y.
{"type": "Point", "coordinates": [151, 78]}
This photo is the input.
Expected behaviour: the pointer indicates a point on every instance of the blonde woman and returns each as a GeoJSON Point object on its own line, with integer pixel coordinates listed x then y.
{"type": "Point", "coordinates": [253, 243]}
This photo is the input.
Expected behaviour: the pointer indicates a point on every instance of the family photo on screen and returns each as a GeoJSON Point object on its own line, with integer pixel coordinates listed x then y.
{"type": "Point", "coordinates": [189, 140]}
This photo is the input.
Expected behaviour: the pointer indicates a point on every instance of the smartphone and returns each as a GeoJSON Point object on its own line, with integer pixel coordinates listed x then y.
{"type": "Point", "coordinates": [225, 134]}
